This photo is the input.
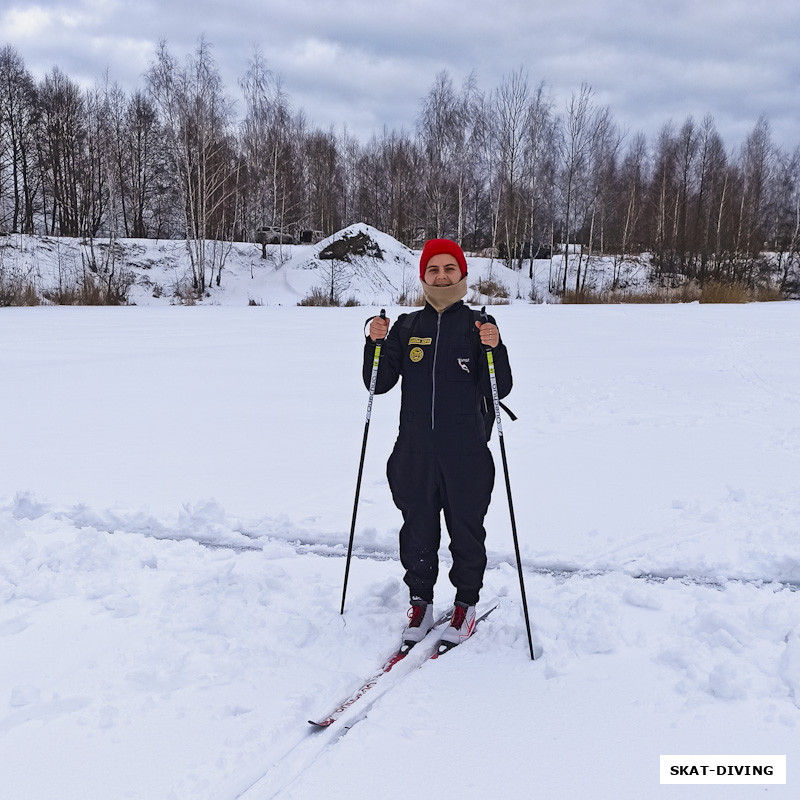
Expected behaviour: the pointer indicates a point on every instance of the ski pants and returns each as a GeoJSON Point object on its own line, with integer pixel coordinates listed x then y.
{"type": "Point", "coordinates": [425, 484]}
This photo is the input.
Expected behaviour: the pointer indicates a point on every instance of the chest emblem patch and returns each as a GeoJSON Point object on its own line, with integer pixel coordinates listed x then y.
{"type": "Point", "coordinates": [416, 354]}
{"type": "Point", "coordinates": [464, 364]}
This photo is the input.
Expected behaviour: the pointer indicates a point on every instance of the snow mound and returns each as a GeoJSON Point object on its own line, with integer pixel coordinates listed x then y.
{"type": "Point", "coordinates": [371, 240]}
{"type": "Point", "coordinates": [362, 261]}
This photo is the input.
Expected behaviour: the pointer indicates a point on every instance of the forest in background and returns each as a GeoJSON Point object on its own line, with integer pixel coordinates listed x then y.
{"type": "Point", "coordinates": [505, 172]}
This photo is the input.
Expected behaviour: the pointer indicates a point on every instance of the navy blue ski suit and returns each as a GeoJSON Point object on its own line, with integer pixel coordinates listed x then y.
{"type": "Point", "coordinates": [440, 461]}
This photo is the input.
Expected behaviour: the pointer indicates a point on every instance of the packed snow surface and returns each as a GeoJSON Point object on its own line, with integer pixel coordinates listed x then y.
{"type": "Point", "coordinates": [176, 491]}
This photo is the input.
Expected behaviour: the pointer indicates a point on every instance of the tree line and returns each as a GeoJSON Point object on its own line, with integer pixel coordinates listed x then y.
{"type": "Point", "coordinates": [504, 171]}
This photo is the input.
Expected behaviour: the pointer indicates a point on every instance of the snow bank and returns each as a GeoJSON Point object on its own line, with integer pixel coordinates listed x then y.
{"type": "Point", "coordinates": [161, 274]}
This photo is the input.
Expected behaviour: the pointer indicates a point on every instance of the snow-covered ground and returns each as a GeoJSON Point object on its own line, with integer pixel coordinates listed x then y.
{"type": "Point", "coordinates": [160, 272]}
{"type": "Point", "coordinates": [175, 497]}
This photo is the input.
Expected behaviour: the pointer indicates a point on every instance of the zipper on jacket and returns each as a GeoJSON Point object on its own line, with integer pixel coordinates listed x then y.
{"type": "Point", "coordinates": [433, 373]}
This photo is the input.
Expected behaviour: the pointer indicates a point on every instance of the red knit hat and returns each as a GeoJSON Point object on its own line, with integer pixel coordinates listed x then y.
{"type": "Point", "coordinates": [434, 247]}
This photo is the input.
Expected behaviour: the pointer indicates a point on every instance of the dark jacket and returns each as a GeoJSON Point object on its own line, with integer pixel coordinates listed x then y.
{"type": "Point", "coordinates": [445, 378]}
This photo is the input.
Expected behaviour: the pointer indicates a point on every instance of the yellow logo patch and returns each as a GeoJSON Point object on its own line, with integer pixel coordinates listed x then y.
{"type": "Point", "coordinates": [417, 340]}
{"type": "Point", "coordinates": [416, 354]}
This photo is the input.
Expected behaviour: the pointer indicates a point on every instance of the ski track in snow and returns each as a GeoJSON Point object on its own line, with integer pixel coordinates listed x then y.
{"type": "Point", "coordinates": [240, 536]}
{"type": "Point", "coordinates": [207, 525]}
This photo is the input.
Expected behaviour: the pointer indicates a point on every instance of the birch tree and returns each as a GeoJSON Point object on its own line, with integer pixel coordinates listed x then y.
{"type": "Point", "coordinates": [578, 136]}
{"type": "Point", "coordinates": [63, 139]}
{"type": "Point", "coordinates": [629, 204]}
{"type": "Point", "coordinates": [757, 164]}
{"type": "Point", "coordinates": [512, 115]}
{"type": "Point", "coordinates": [18, 142]}
{"type": "Point", "coordinates": [197, 120]}
{"type": "Point", "coordinates": [268, 138]}
{"type": "Point", "coordinates": [786, 231]}
{"type": "Point", "coordinates": [438, 126]}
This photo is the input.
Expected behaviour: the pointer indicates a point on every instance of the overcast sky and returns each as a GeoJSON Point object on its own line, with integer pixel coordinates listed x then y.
{"type": "Point", "coordinates": [366, 64]}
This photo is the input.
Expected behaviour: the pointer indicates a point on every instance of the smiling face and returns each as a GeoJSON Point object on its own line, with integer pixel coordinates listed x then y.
{"type": "Point", "coordinates": [442, 270]}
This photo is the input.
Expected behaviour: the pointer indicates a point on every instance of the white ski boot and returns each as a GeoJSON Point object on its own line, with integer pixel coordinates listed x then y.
{"type": "Point", "coordinates": [421, 621]}
{"type": "Point", "coordinates": [462, 623]}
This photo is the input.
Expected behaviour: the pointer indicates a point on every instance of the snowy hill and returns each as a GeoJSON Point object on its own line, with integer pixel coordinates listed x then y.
{"type": "Point", "coordinates": [175, 500]}
{"type": "Point", "coordinates": [159, 271]}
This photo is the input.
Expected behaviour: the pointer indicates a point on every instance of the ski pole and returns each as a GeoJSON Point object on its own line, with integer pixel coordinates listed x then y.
{"type": "Point", "coordinates": [372, 382]}
{"type": "Point", "coordinates": [496, 399]}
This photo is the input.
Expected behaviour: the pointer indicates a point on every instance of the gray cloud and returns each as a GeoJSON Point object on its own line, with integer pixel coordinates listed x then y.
{"type": "Point", "coordinates": [354, 63]}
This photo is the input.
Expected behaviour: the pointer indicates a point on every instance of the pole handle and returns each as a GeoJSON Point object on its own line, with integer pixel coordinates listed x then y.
{"type": "Point", "coordinates": [484, 320]}
{"type": "Point", "coordinates": [382, 315]}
